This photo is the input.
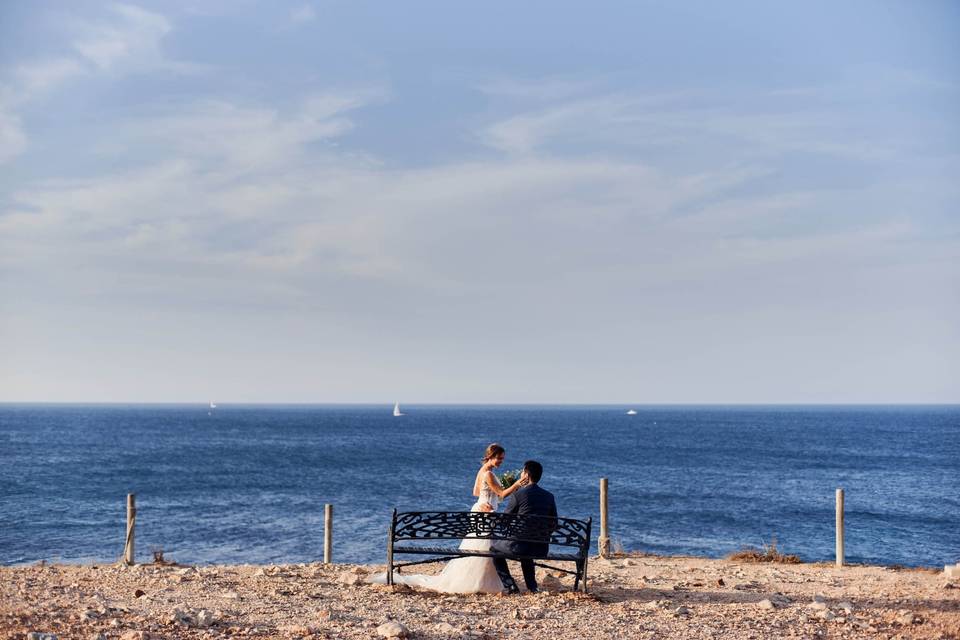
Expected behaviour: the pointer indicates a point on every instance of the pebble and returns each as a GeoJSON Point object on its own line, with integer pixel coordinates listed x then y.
{"type": "Point", "coordinates": [349, 578]}
{"type": "Point", "coordinates": [392, 629]}
{"type": "Point", "coordinates": [36, 635]}
{"type": "Point", "coordinates": [906, 617]}
{"type": "Point", "coordinates": [766, 604]}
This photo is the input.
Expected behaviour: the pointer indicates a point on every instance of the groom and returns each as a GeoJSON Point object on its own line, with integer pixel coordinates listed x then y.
{"type": "Point", "coordinates": [533, 501]}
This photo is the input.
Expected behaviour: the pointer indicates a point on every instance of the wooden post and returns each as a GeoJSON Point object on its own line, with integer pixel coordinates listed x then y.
{"type": "Point", "coordinates": [839, 527]}
{"type": "Point", "coordinates": [327, 533]}
{"type": "Point", "coordinates": [131, 524]}
{"type": "Point", "coordinates": [604, 542]}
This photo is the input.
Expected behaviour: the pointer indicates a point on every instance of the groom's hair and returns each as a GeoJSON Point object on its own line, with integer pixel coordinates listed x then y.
{"type": "Point", "coordinates": [534, 469]}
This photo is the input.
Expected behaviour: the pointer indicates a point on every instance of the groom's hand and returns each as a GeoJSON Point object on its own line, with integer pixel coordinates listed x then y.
{"type": "Point", "coordinates": [486, 507]}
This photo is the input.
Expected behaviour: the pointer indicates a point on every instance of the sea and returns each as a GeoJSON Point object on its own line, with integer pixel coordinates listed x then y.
{"type": "Point", "coordinates": [248, 483]}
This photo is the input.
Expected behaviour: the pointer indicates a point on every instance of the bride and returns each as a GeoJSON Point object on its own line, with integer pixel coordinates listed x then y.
{"type": "Point", "coordinates": [473, 574]}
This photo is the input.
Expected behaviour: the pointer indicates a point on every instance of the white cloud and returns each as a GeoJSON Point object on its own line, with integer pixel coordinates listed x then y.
{"type": "Point", "coordinates": [684, 119]}
{"type": "Point", "coordinates": [235, 205]}
{"type": "Point", "coordinates": [303, 14]}
{"type": "Point", "coordinates": [126, 42]}
{"type": "Point", "coordinates": [131, 38]}
{"type": "Point", "coordinates": [13, 140]}
{"type": "Point", "coordinates": [38, 77]}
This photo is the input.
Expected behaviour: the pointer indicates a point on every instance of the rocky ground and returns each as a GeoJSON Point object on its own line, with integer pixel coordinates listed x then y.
{"type": "Point", "coordinates": [631, 597]}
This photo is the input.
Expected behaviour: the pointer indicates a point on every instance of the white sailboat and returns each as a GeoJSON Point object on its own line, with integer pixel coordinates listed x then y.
{"type": "Point", "coordinates": [631, 412]}
{"type": "Point", "coordinates": [396, 410]}
{"type": "Point", "coordinates": [212, 405]}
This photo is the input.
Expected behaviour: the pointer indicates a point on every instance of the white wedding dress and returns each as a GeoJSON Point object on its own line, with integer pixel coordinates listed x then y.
{"type": "Point", "coordinates": [474, 574]}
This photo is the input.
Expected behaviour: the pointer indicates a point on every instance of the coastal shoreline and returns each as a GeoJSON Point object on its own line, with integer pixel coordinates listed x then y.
{"type": "Point", "coordinates": [636, 595]}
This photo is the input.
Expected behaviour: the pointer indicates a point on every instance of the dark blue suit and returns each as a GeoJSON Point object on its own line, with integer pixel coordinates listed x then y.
{"type": "Point", "coordinates": [534, 501]}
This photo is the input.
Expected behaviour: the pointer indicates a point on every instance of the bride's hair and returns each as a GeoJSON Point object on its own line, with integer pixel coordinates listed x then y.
{"type": "Point", "coordinates": [493, 450]}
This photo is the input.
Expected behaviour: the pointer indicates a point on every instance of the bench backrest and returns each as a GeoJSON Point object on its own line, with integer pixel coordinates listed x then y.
{"type": "Point", "coordinates": [456, 525]}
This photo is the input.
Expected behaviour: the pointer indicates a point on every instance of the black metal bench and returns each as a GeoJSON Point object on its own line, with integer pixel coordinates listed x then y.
{"type": "Point", "coordinates": [569, 538]}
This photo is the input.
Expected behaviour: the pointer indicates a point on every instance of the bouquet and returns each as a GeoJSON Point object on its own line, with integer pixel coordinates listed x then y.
{"type": "Point", "coordinates": [509, 478]}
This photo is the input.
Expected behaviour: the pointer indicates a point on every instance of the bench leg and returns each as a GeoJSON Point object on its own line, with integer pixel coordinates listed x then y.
{"type": "Point", "coordinates": [390, 553]}
{"type": "Point", "coordinates": [582, 577]}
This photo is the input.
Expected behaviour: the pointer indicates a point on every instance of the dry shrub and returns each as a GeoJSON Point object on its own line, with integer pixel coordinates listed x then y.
{"type": "Point", "coordinates": [158, 556]}
{"type": "Point", "coordinates": [769, 553]}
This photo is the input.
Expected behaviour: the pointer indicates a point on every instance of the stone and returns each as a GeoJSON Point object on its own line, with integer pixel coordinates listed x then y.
{"type": "Point", "coordinates": [952, 570]}
{"type": "Point", "coordinates": [681, 611]}
{"type": "Point", "coordinates": [97, 636]}
{"type": "Point", "coordinates": [447, 628]}
{"type": "Point", "coordinates": [551, 583]}
{"type": "Point", "coordinates": [905, 617]}
{"type": "Point", "coordinates": [139, 593]}
{"type": "Point", "coordinates": [846, 606]}
{"type": "Point", "coordinates": [392, 629]}
{"type": "Point", "coordinates": [134, 635]}
{"type": "Point", "coordinates": [36, 635]}
{"type": "Point", "coordinates": [766, 604]}
{"type": "Point", "coordinates": [817, 606]}
{"type": "Point", "coordinates": [826, 614]}
{"type": "Point", "coordinates": [298, 630]}
{"type": "Point", "coordinates": [349, 578]}
{"type": "Point", "coordinates": [752, 585]}
{"type": "Point", "coordinates": [205, 618]}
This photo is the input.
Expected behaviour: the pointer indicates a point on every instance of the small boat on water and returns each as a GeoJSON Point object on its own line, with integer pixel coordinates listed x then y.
{"type": "Point", "coordinates": [631, 412]}
{"type": "Point", "coordinates": [396, 410]}
{"type": "Point", "coordinates": [213, 406]}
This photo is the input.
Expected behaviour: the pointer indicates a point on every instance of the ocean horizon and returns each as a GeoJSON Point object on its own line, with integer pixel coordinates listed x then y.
{"type": "Point", "coordinates": [247, 483]}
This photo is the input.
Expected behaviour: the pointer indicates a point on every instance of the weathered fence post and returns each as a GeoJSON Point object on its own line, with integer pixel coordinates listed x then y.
{"type": "Point", "coordinates": [131, 524]}
{"type": "Point", "coordinates": [327, 533]}
{"type": "Point", "coordinates": [839, 527]}
{"type": "Point", "coordinates": [604, 542]}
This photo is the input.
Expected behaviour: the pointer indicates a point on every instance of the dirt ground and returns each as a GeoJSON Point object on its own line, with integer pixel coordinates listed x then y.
{"type": "Point", "coordinates": [630, 597]}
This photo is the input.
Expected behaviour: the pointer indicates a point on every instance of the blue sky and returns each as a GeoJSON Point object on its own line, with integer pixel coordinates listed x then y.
{"type": "Point", "coordinates": [500, 202]}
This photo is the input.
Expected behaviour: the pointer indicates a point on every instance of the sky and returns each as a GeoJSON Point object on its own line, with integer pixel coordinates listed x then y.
{"type": "Point", "coordinates": [499, 202]}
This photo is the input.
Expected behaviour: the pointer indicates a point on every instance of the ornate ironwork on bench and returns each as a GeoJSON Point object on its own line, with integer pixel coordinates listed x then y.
{"type": "Point", "coordinates": [569, 539]}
